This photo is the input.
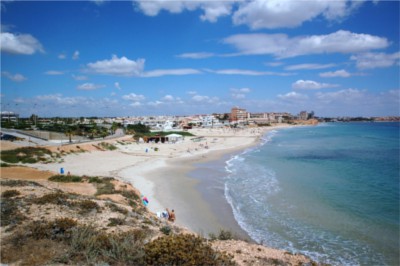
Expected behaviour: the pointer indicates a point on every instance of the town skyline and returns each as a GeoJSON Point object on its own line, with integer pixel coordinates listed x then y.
{"type": "Point", "coordinates": [141, 58]}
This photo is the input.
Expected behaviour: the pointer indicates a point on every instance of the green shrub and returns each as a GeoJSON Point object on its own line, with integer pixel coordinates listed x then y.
{"type": "Point", "coordinates": [57, 198]}
{"type": "Point", "coordinates": [59, 229]}
{"type": "Point", "coordinates": [99, 247]}
{"type": "Point", "coordinates": [95, 179]}
{"type": "Point", "coordinates": [115, 208]}
{"type": "Point", "coordinates": [10, 193]}
{"type": "Point", "coordinates": [10, 215]}
{"type": "Point", "coordinates": [106, 187]}
{"type": "Point", "coordinates": [25, 155]}
{"type": "Point", "coordinates": [5, 165]}
{"type": "Point", "coordinates": [183, 250]}
{"type": "Point", "coordinates": [86, 206]}
{"type": "Point", "coordinates": [116, 221]}
{"type": "Point", "coordinates": [166, 230]}
{"type": "Point", "coordinates": [65, 178]}
{"type": "Point", "coordinates": [107, 146]}
{"type": "Point", "coordinates": [223, 235]}
{"type": "Point", "coordinates": [19, 183]}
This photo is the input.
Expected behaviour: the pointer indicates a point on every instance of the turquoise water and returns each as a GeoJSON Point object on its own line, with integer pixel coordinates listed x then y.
{"type": "Point", "coordinates": [330, 192]}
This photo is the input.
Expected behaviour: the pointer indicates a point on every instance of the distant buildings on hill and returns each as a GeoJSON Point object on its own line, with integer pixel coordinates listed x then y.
{"type": "Point", "coordinates": [236, 117]}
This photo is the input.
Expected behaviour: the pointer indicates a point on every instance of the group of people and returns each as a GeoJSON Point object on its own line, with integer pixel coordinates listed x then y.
{"type": "Point", "coordinates": [167, 214]}
{"type": "Point", "coordinates": [170, 215]}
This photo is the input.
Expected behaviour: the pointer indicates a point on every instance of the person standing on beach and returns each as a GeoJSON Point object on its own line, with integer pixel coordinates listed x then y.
{"type": "Point", "coordinates": [171, 215]}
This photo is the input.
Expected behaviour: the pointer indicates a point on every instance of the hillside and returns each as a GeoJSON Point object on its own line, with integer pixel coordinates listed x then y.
{"type": "Point", "coordinates": [100, 220]}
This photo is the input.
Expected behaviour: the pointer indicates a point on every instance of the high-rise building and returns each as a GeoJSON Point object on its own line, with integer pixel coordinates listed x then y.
{"type": "Point", "coordinates": [238, 114]}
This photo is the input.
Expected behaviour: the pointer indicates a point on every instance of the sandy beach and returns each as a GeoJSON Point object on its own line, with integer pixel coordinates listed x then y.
{"type": "Point", "coordinates": [160, 172]}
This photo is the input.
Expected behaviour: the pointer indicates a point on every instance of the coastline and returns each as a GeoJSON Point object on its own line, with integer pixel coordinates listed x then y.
{"type": "Point", "coordinates": [162, 173]}
{"type": "Point", "coordinates": [195, 194]}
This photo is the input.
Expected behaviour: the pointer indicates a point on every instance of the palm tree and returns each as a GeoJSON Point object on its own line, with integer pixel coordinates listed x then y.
{"type": "Point", "coordinates": [69, 132]}
{"type": "Point", "coordinates": [93, 131]}
{"type": "Point", "coordinates": [114, 127]}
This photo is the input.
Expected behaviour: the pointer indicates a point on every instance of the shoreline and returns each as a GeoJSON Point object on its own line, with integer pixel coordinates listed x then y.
{"type": "Point", "coordinates": [173, 184]}
{"type": "Point", "coordinates": [161, 172]}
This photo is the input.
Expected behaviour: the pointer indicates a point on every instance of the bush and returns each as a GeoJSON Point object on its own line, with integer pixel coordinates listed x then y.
{"type": "Point", "coordinates": [223, 235]}
{"type": "Point", "coordinates": [57, 198]}
{"type": "Point", "coordinates": [19, 183]}
{"type": "Point", "coordinates": [166, 230]}
{"type": "Point", "coordinates": [95, 179]}
{"type": "Point", "coordinates": [59, 229]}
{"type": "Point", "coordinates": [106, 187]}
{"type": "Point", "coordinates": [10, 214]}
{"type": "Point", "coordinates": [107, 146]}
{"type": "Point", "coordinates": [25, 155]}
{"type": "Point", "coordinates": [117, 249]}
{"type": "Point", "coordinates": [183, 250]}
{"type": "Point", "coordinates": [115, 208]}
{"type": "Point", "coordinates": [116, 221]}
{"type": "Point", "coordinates": [10, 193]}
{"type": "Point", "coordinates": [86, 206]}
{"type": "Point", "coordinates": [65, 178]}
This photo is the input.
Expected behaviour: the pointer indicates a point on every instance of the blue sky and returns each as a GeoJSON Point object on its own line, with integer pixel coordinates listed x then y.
{"type": "Point", "coordinates": [129, 58]}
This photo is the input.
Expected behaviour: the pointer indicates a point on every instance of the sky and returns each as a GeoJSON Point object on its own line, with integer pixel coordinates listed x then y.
{"type": "Point", "coordinates": [135, 58]}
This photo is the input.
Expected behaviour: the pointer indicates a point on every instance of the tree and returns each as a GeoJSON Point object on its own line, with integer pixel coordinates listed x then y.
{"type": "Point", "coordinates": [114, 127]}
{"type": "Point", "coordinates": [69, 132]}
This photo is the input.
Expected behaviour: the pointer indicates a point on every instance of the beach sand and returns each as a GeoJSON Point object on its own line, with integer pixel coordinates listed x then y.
{"type": "Point", "coordinates": [162, 174]}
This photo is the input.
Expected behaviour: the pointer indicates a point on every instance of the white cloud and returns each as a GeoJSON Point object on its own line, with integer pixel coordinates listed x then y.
{"type": "Point", "coordinates": [292, 96]}
{"type": "Point", "coordinates": [239, 93]}
{"type": "Point", "coordinates": [75, 56]}
{"type": "Point", "coordinates": [14, 77]}
{"type": "Point", "coordinates": [212, 10]}
{"type": "Point", "coordinates": [192, 92]}
{"type": "Point", "coordinates": [168, 98]}
{"type": "Point", "coordinates": [169, 72]}
{"type": "Point", "coordinates": [117, 86]}
{"type": "Point", "coordinates": [24, 44]}
{"type": "Point", "coordinates": [247, 72]}
{"type": "Point", "coordinates": [117, 66]}
{"type": "Point", "coordinates": [54, 72]}
{"type": "Point", "coordinates": [281, 46]}
{"type": "Point", "coordinates": [79, 77]}
{"type": "Point", "coordinates": [347, 95]}
{"type": "Point", "coordinates": [196, 55]}
{"type": "Point", "coordinates": [62, 56]}
{"type": "Point", "coordinates": [376, 60]}
{"type": "Point", "coordinates": [155, 103]}
{"type": "Point", "coordinates": [136, 104]}
{"type": "Point", "coordinates": [273, 14]}
{"type": "Point", "coordinates": [338, 73]}
{"type": "Point", "coordinates": [274, 64]}
{"type": "Point", "coordinates": [134, 97]}
{"type": "Point", "coordinates": [311, 85]}
{"type": "Point", "coordinates": [309, 66]}
{"type": "Point", "coordinates": [90, 86]}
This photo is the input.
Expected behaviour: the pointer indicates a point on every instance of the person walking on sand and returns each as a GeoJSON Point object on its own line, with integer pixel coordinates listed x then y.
{"type": "Point", "coordinates": [171, 215]}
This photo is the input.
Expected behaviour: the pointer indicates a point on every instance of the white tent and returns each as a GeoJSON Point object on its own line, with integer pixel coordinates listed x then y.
{"type": "Point", "coordinates": [174, 137]}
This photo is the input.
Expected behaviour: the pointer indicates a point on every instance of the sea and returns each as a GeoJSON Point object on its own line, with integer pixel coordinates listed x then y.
{"type": "Point", "coordinates": [330, 192]}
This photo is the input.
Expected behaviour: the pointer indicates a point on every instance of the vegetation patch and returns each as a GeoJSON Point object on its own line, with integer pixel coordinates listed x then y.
{"type": "Point", "coordinates": [166, 230]}
{"type": "Point", "coordinates": [115, 208]}
{"type": "Point", "coordinates": [223, 235]}
{"type": "Point", "coordinates": [27, 155]}
{"type": "Point", "coordinates": [86, 206]}
{"type": "Point", "coordinates": [10, 214]}
{"type": "Point", "coordinates": [107, 146]}
{"type": "Point", "coordinates": [116, 221]}
{"type": "Point", "coordinates": [19, 183]}
{"type": "Point", "coordinates": [105, 187]}
{"type": "Point", "coordinates": [65, 178]}
{"type": "Point", "coordinates": [183, 250]}
{"type": "Point", "coordinates": [10, 193]}
{"type": "Point", "coordinates": [57, 198]}
{"type": "Point", "coordinates": [6, 165]}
